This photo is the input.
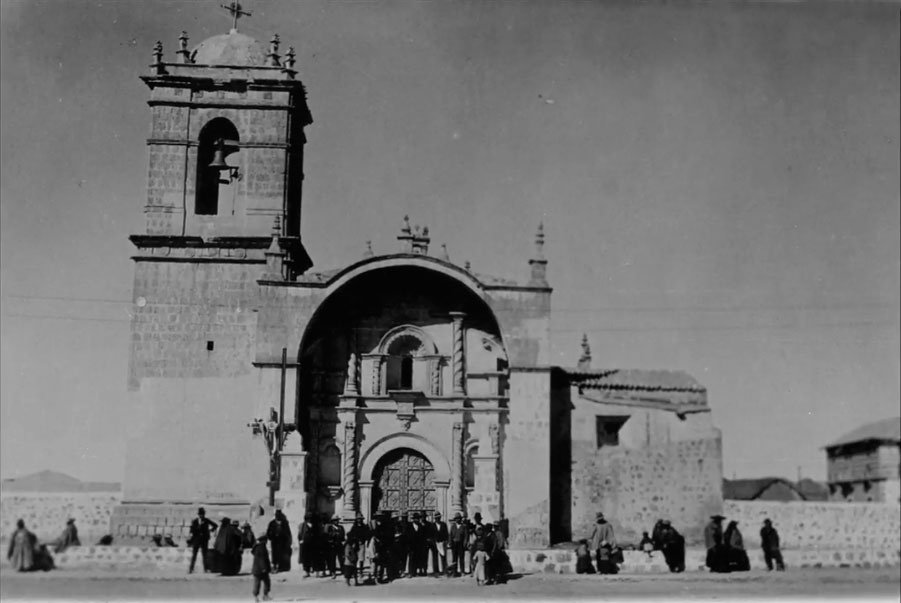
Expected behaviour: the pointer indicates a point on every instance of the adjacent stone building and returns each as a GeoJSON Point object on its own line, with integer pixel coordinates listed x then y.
{"type": "Point", "coordinates": [863, 465]}
{"type": "Point", "coordinates": [410, 382]}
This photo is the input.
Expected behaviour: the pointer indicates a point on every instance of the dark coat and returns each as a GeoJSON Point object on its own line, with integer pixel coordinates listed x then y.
{"type": "Point", "coordinates": [769, 538]}
{"type": "Point", "coordinates": [201, 529]}
{"type": "Point", "coordinates": [261, 565]}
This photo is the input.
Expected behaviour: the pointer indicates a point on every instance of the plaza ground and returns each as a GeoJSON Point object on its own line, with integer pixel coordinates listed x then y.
{"type": "Point", "coordinates": [843, 583]}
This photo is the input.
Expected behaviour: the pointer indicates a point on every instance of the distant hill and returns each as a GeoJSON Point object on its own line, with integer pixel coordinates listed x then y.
{"type": "Point", "coordinates": [54, 481]}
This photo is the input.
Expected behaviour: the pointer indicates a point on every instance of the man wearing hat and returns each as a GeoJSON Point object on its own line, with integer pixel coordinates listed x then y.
{"type": "Point", "coordinates": [199, 538]}
{"type": "Point", "coordinates": [335, 536]}
{"type": "Point", "coordinates": [437, 532]}
{"type": "Point", "coordinates": [458, 536]}
{"type": "Point", "coordinates": [603, 542]}
{"type": "Point", "coordinates": [713, 540]}
{"type": "Point", "coordinates": [306, 537]}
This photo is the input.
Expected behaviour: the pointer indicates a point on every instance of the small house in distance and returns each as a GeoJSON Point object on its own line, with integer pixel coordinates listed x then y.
{"type": "Point", "coordinates": [765, 488]}
{"type": "Point", "coordinates": [863, 465]}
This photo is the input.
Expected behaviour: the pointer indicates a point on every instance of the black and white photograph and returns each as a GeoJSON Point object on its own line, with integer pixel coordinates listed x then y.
{"type": "Point", "coordinates": [458, 300]}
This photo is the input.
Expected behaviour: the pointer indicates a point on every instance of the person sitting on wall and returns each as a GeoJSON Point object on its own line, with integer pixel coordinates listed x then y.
{"type": "Point", "coordinates": [735, 547]}
{"type": "Point", "coordinates": [769, 541]}
{"type": "Point", "coordinates": [717, 560]}
{"type": "Point", "coordinates": [646, 544]}
{"type": "Point", "coordinates": [603, 542]}
{"type": "Point", "coordinates": [106, 540]}
{"type": "Point", "coordinates": [68, 538]}
{"type": "Point", "coordinates": [157, 539]}
{"type": "Point", "coordinates": [673, 547]}
{"type": "Point", "coordinates": [168, 541]}
{"type": "Point", "coordinates": [583, 558]}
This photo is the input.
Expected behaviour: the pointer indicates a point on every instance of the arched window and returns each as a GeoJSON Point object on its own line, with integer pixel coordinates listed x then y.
{"type": "Point", "coordinates": [400, 361]}
{"type": "Point", "coordinates": [217, 134]}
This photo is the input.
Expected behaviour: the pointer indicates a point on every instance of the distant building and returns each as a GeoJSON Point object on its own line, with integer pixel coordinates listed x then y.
{"type": "Point", "coordinates": [765, 488]}
{"type": "Point", "coordinates": [863, 465]}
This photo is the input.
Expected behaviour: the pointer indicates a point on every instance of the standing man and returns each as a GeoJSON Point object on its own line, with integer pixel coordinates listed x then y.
{"type": "Point", "coordinates": [306, 537]}
{"type": "Point", "coordinates": [769, 541]}
{"type": "Point", "coordinates": [458, 537]}
{"type": "Point", "coordinates": [438, 546]}
{"type": "Point", "coordinates": [360, 534]}
{"type": "Point", "coordinates": [200, 538]}
{"type": "Point", "coordinates": [603, 542]}
{"type": "Point", "coordinates": [279, 535]}
{"type": "Point", "coordinates": [335, 535]}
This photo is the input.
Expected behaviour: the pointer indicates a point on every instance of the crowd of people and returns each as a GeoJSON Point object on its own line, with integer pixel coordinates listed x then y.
{"type": "Point", "coordinates": [388, 548]}
{"type": "Point", "coordinates": [726, 548]}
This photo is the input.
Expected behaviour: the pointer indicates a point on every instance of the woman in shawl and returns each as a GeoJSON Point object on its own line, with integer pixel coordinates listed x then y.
{"type": "Point", "coordinates": [735, 547]}
{"type": "Point", "coordinates": [21, 548]}
{"type": "Point", "coordinates": [69, 537]}
{"type": "Point", "coordinates": [218, 555]}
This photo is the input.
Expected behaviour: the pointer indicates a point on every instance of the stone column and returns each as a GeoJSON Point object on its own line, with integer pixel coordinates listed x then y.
{"type": "Point", "coordinates": [350, 470]}
{"type": "Point", "coordinates": [457, 464]}
{"type": "Point", "coordinates": [377, 370]}
{"type": "Point", "coordinates": [435, 376]}
{"type": "Point", "coordinates": [459, 362]}
{"type": "Point", "coordinates": [366, 500]}
{"type": "Point", "coordinates": [352, 385]}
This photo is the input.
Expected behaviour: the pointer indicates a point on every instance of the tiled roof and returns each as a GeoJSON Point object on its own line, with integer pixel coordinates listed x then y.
{"type": "Point", "coordinates": [887, 430]}
{"type": "Point", "coordinates": [751, 489]}
{"type": "Point", "coordinates": [636, 379]}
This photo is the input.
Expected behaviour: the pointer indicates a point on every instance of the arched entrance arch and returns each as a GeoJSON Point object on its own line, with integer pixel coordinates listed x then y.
{"type": "Point", "coordinates": [403, 472]}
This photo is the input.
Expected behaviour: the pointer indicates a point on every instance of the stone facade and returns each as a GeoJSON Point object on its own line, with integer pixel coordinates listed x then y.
{"type": "Point", "coordinates": [410, 383]}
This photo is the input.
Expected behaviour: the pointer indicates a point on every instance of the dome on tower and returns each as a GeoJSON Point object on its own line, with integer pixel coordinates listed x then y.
{"type": "Point", "coordinates": [232, 48]}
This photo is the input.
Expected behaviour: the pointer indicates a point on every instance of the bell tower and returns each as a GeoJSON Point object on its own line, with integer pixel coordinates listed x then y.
{"type": "Point", "coordinates": [226, 149]}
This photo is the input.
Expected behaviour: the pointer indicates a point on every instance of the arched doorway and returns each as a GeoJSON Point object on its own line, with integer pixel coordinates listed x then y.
{"type": "Point", "coordinates": [404, 482]}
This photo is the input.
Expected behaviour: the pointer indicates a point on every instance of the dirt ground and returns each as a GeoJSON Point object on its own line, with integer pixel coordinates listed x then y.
{"type": "Point", "coordinates": [848, 584]}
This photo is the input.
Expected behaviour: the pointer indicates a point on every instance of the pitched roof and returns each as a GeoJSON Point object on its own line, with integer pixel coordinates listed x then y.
{"type": "Point", "coordinates": [813, 490]}
{"type": "Point", "coordinates": [887, 430]}
{"type": "Point", "coordinates": [751, 489]}
{"type": "Point", "coordinates": [636, 379]}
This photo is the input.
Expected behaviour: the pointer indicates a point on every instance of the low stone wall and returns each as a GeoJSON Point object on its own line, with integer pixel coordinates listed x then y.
{"type": "Point", "coordinates": [45, 513]}
{"type": "Point", "coordinates": [820, 525]}
{"type": "Point", "coordinates": [637, 562]}
{"type": "Point", "coordinates": [126, 558]}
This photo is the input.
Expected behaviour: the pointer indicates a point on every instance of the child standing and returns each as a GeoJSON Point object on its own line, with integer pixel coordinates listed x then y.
{"type": "Point", "coordinates": [583, 558]}
{"type": "Point", "coordinates": [646, 544]}
{"type": "Point", "coordinates": [261, 569]}
{"type": "Point", "coordinates": [478, 562]}
{"type": "Point", "coordinates": [350, 561]}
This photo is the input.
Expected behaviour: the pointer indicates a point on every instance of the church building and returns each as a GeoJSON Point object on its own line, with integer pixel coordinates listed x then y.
{"type": "Point", "coordinates": [402, 381]}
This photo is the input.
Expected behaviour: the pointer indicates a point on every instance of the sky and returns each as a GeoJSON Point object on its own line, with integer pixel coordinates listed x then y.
{"type": "Point", "coordinates": [718, 183]}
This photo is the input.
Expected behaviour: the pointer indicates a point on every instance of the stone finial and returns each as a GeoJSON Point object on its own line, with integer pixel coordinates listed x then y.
{"type": "Point", "coordinates": [273, 52]}
{"type": "Point", "coordinates": [585, 358]}
{"type": "Point", "coordinates": [288, 69]}
{"type": "Point", "coordinates": [444, 254]}
{"type": "Point", "coordinates": [467, 266]}
{"type": "Point", "coordinates": [420, 242]}
{"type": "Point", "coordinates": [157, 64]}
{"type": "Point", "coordinates": [539, 242]}
{"type": "Point", "coordinates": [406, 227]}
{"type": "Point", "coordinates": [275, 257]}
{"type": "Point", "coordinates": [184, 55]}
{"type": "Point", "coordinates": [538, 262]}
{"type": "Point", "coordinates": [277, 227]}
{"type": "Point", "coordinates": [368, 253]}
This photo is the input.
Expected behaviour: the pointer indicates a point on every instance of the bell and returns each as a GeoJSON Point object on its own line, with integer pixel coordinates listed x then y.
{"type": "Point", "coordinates": [218, 162]}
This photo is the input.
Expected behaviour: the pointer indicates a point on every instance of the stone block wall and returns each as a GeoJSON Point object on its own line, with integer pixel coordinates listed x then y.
{"type": "Point", "coordinates": [820, 525]}
{"type": "Point", "coordinates": [184, 306]}
{"type": "Point", "coordinates": [136, 524]}
{"type": "Point", "coordinates": [634, 488]}
{"type": "Point", "coordinates": [46, 513]}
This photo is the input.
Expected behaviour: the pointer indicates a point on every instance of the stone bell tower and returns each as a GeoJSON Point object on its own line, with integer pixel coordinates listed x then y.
{"type": "Point", "coordinates": [226, 149]}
